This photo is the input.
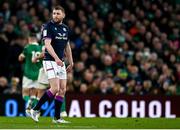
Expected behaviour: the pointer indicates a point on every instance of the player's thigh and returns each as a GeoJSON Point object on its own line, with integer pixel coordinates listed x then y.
{"type": "Point", "coordinates": [52, 71]}
{"type": "Point", "coordinates": [62, 72]}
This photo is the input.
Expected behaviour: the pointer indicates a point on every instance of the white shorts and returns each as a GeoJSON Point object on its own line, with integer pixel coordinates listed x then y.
{"type": "Point", "coordinates": [54, 71]}
{"type": "Point", "coordinates": [28, 83]}
{"type": "Point", "coordinates": [43, 82]}
{"type": "Point", "coordinates": [42, 77]}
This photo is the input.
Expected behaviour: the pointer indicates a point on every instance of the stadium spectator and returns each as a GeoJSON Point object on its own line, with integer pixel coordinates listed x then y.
{"type": "Point", "coordinates": [3, 84]}
{"type": "Point", "coordinates": [14, 89]}
{"type": "Point", "coordinates": [136, 43]}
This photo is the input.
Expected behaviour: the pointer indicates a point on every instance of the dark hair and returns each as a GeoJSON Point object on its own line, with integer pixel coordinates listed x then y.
{"type": "Point", "coordinates": [33, 35]}
{"type": "Point", "coordinates": [58, 7]}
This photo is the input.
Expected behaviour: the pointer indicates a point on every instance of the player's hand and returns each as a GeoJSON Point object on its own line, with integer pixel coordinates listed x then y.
{"type": "Point", "coordinates": [34, 60]}
{"type": "Point", "coordinates": [69, 68]}
{"type": "Point", "coordinates": [59, 62]}
{"type": "Point", "coordinates": [21, 57]}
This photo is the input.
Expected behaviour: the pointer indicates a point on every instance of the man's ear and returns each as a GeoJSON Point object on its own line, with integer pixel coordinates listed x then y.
{"type": "Point", "coordinates": [64, 15]}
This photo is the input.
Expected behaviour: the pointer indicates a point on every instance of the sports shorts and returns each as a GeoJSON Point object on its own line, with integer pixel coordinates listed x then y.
{"type": "Point", "coordinates": [54, 71]}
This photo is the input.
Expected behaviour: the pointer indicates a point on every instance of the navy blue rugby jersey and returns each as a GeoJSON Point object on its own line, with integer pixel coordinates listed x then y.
{"type": "Point", "coordinates": [59, 35]}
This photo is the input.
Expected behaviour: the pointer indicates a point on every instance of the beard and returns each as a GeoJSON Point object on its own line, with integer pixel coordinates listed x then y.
{"type": "Point", "coordinates": [56, 20]}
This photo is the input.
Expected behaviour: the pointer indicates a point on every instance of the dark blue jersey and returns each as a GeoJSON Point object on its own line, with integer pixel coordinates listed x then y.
{"type": "Point", "coordinates": [59, 35]}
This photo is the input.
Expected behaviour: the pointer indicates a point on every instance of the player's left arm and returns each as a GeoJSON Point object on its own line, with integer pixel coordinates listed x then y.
{"type": "Point", "coordinates": [22, 56]}
{"type": "Point", "coordinates": [69, 57]}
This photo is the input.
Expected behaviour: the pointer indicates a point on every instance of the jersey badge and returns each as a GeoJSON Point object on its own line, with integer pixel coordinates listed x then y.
{"type": "Point", "coordinates": [64, 29]}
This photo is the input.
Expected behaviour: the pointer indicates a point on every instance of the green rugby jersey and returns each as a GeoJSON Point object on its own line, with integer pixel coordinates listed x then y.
{"type": "Point", "coordinates": [31, 70]}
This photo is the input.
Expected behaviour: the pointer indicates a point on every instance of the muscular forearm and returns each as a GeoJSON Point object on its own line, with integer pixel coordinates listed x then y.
{"type": "Point", "coordinates": [69, 54]}
{"type": "Point", "coordinates": [52, 52]}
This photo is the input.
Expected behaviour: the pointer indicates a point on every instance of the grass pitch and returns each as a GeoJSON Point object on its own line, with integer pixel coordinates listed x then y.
{"type": "Point", "coordinates": [90, 123]}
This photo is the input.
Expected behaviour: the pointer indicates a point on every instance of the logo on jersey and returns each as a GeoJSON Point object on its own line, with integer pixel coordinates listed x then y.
{"type": "Point", "coordinates": [55, 28]}
{"type": "Point", "coordinates": [44, 33]}
{"type": "Point", "coordinates": [64, 29]}
{"type": "Point", "coordinates": [61, 36]}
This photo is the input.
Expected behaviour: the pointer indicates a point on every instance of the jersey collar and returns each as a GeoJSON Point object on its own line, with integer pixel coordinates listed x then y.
{"type": "Point", "coordinates": [34, 43]}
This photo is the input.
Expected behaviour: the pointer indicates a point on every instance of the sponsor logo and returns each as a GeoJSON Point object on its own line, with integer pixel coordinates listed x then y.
{"type": "Point", "coordinates": [44, 33]}
{"type": "Point", "coordinates": [121, 109]}
{"type": "Point", "coordinates": [61, 36]}
{"type": "Point", "coordinates": [64, 29]}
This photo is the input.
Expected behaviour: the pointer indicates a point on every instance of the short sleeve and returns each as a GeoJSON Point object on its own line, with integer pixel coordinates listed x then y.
{"type": "Point", "coordinates": [46, 32]}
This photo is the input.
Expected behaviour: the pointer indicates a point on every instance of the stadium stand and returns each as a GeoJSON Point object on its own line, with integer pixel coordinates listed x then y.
{"type": "Point", "coordinates": [120, 47]}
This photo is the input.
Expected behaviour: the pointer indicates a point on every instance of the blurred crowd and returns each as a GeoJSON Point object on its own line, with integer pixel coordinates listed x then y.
{"type": "Point", "coordinates": [119, 47]}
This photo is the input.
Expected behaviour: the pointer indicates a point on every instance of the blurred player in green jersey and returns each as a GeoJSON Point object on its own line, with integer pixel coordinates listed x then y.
{"type": "Point", "coordinates": [31, 71]}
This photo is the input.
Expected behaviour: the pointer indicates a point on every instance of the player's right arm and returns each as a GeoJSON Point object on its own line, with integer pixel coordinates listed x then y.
{"type": "Point", "coordinates": [47, 36]}
{"type": "Point", "coordinates": [51, 51]}
{"type": "Point", "coordinates": [22, 56]}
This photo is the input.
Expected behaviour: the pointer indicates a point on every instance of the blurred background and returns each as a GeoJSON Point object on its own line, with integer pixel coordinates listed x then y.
{"type": "Point", "coordinates": [121, 48]}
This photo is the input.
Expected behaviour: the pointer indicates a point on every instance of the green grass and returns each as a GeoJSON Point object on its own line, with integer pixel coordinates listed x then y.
{"type": "Point", "coordinates": [90, 123]}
